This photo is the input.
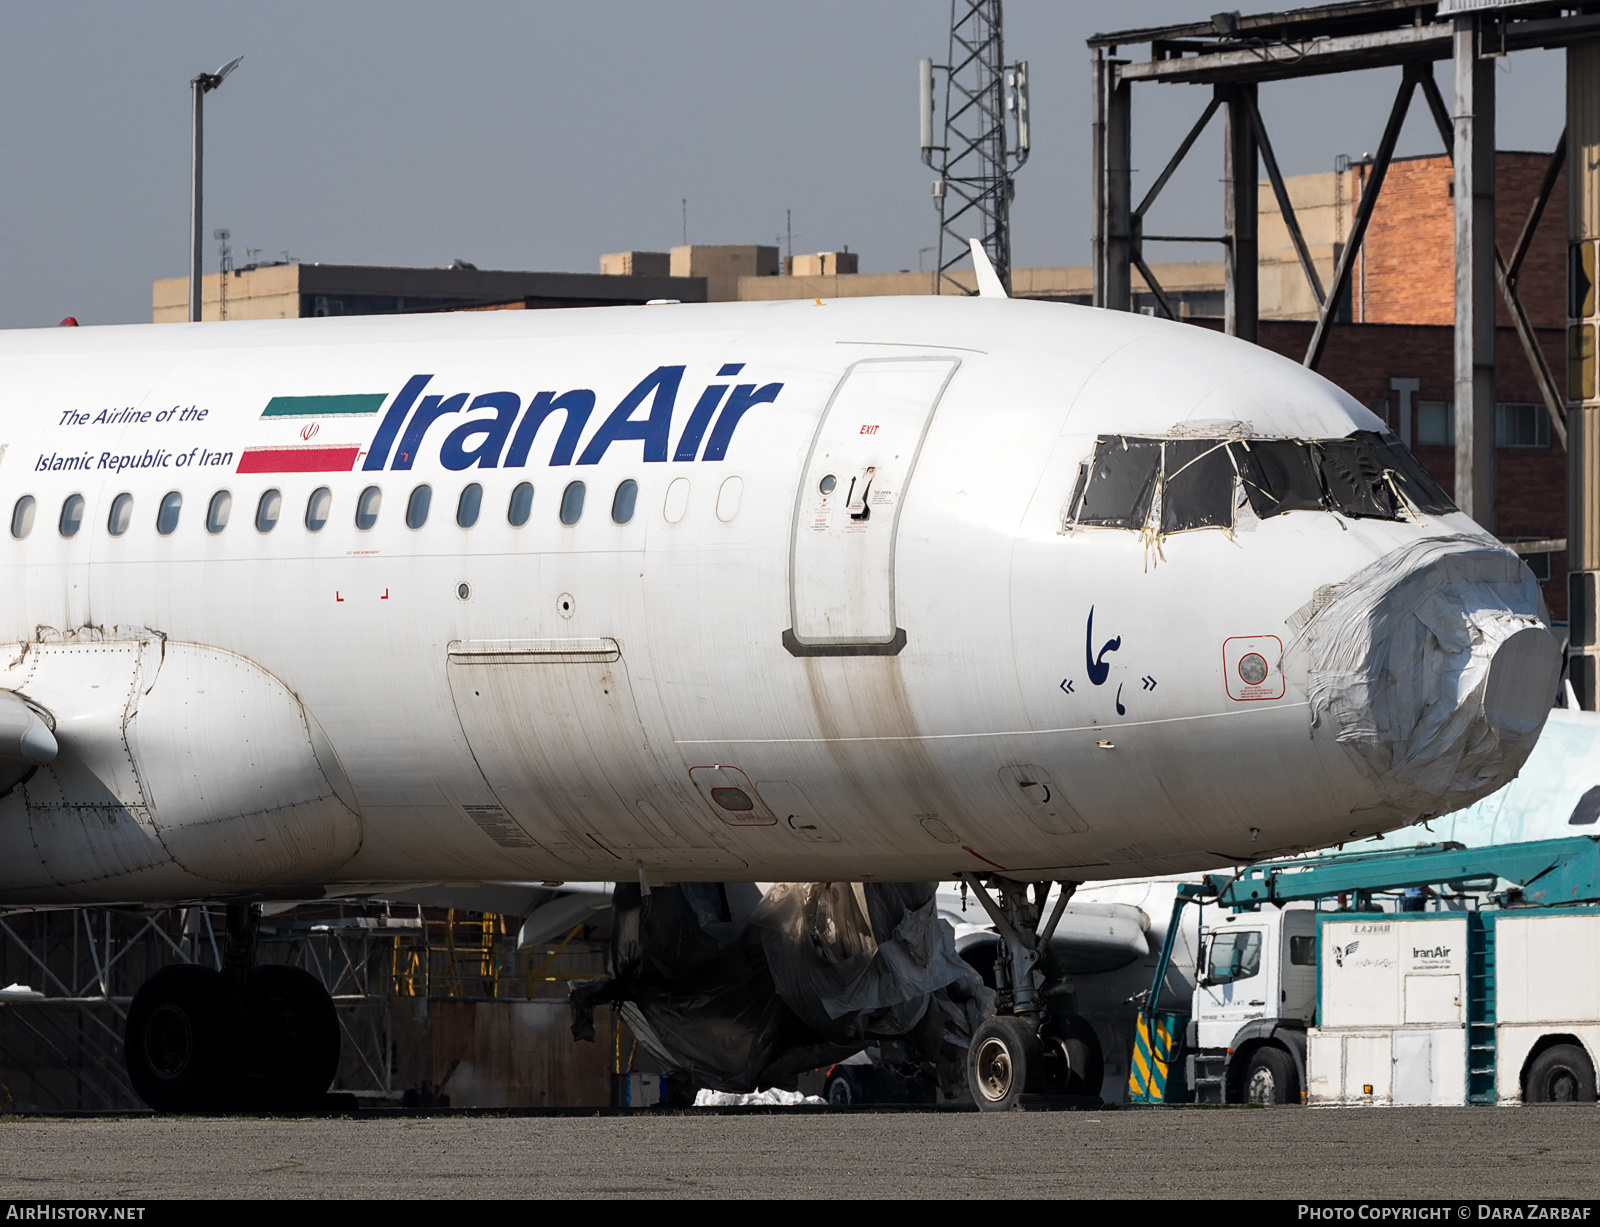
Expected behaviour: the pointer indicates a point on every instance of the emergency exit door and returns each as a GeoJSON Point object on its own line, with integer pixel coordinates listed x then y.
{"type": "Point", "coordinates": [841, 577]}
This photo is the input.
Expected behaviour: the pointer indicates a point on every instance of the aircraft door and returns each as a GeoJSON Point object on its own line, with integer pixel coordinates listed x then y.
{"type": "Point", "coordinates": [841, 579]}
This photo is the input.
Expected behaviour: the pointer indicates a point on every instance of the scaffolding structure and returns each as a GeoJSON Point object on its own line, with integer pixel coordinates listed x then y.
{"type": "Point", "coordinates": [982, 95]}
{"type": "Point", "coordinates": [67, 978]}
{"type": "Point", "coordinates": [1232, 54]}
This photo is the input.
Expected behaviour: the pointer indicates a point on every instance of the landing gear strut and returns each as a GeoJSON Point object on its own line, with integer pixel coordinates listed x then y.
{"type": "Point", "coordinates": [242, 1037]}
{"type": "Point", "coordinates": [1034, 1044]}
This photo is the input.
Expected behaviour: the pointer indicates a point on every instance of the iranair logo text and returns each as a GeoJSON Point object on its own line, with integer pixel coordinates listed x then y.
{"type": "Point", "coordinates": [499, 430]}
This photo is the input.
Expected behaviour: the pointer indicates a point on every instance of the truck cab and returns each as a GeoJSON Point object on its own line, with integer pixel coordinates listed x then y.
{"type": "Point", "coordinates": [1255, 995]}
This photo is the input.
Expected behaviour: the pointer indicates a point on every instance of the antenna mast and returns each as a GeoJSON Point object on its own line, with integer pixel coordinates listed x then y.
{"type": "Point", "coordinates": [974, 189]}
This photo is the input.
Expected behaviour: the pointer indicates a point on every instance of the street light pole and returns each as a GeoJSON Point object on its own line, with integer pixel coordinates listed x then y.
{"type": "Point", "coordinates": [200, 87]}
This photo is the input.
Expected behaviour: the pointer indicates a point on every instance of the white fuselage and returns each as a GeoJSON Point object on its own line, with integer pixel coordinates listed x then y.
{"type": "Point", "coordinates": [749, 679]}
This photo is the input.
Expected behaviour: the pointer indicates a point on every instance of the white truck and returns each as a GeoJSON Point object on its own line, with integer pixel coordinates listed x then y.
{"type": "Point", "coordinates": [1496, 1006]}
{"type": "Point", "coordinates": [1292, 1004]}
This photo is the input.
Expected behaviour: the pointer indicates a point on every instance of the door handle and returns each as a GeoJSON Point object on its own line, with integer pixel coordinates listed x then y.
{"type": "Point", "coordinates": [856, 498]}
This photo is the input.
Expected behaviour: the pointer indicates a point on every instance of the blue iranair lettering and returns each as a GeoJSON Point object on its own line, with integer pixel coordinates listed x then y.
{"type": "Point", "coordinates": [479, 441]}
{"type": "Point", "coordinates": [378, 453]}
{"type": "Point", "coordinates": [454, 452]}
{"type": "Point", "coordinates": [577, 405]}
{"type": "Point", "coordinates": [663, 382]}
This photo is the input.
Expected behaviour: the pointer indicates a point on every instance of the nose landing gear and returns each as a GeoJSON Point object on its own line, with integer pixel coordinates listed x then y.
{"type": "Point", "coordinates": [1034, 1044]}
{"type": "Point", "coordinates": [241, 1038]}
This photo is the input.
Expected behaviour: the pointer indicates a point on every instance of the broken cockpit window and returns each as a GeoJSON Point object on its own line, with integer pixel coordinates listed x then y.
{"type": "Point", "coordinates": [1280, 475]}
{"type": "Point", "coordinates": [1197, 485]}
{"type": "Point", "coordinates": [1116, 485]}
{"type": "Point", "coordinates": [1408, 474]}
{"type": "Point", "coordinates": [1352, 474]}
{"type": "Point", "coordinates": [1192, 481]}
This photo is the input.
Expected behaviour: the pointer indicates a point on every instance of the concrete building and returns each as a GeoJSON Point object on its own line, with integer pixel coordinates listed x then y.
{"type": "Point", "coordinates": [724, 267]}
{"type": "Point", "coordinates": [823, 264]}
{"type": "Point", "coordinates": [636, 264]}
{"type": "Point", "coordinates": [298, 291]}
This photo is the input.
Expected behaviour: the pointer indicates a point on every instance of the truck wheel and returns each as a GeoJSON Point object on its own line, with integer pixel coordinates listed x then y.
{"type": "Point", "coordinates": [1004, 1056]}
{"type": "Point", "coordinates": [1562, 1074]}
{"type": "Point", "coordinates": [1270, 1079]}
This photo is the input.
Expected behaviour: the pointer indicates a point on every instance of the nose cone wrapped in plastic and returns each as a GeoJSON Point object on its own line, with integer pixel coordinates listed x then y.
{"type": "Point", "coordinates": [1434, 668]}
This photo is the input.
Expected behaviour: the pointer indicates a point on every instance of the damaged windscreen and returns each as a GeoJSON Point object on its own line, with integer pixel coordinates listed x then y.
{"type": "Point", "coordinates": [1115, 487]}
{"type": "Point", "coordinates": [1206, 483]}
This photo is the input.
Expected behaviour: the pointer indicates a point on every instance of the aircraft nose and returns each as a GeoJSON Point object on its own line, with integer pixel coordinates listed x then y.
{"type": "Point", "coordinates": [1434, 667]}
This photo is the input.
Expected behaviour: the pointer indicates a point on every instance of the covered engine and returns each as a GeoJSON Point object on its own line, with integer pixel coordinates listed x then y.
{"type": "Point", "coordinates": [736, 989]}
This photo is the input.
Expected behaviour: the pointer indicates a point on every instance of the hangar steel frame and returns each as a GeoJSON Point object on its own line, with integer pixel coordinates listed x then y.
{"type": "Point", "coordinates": [1234, 54]}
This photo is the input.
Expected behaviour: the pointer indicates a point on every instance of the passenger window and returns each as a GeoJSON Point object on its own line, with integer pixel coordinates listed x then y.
{"type": "Point", "coordinates": [1116, 485]}
{"type": "Point", "coordinates": [22, 517]}
{"type": "Point", "coordinates": [470, 503]}
{"type": "Point", "coordinates": [317, 508]}
{"type": "Point", "coordinates": [521, 506]}
{"type": "Point", "coordinates": [728, 499]}
{"type": "Point", "coordinates": [1303, 951]}
{"type": "Point", "coordinates": [677, 500]}
{"type": "Point", "coordinates": [1587, 809]}
{"type": "Point", "coordinates": [217, 513]}
{"type": "Point", "coordinates": [622, 503]}
{"type": "Point", "coordinates": [268, 510]}
{"type": "Point", "coordinates": [572, 503]}
{"type": "Point", "coordinates": [1197, 491]}
{"type": "Point", "coordinates": [167, 513]}
{"type": "Point", "coordinates": [367, 507]}
{"type": "Point", "coordinates": [417, 506]}
{"type": "Point", "coordinates": [71, 515]}
{"type": "Point", "coordinates": [1233, 956]}
{"type": "Point", "coordinates": [121, 515]}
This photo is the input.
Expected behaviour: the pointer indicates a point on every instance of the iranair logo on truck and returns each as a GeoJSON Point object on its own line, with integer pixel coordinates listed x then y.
{"type": "Point", "coordinates": [1339, 952]}
{"type": "Point", "coordinates": [497, 430]}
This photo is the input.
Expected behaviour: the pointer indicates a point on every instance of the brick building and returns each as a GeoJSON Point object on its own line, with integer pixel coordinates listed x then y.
{"type": "Point", "coordinates": [1405, 273]}
{"type": "Point", "coordinates": [1366, 360]}
{"type": "Point", "coordinates": [1397, 357]}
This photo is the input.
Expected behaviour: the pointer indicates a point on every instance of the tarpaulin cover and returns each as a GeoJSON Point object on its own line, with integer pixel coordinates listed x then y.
{"type": "Point", "coordinates": [1433, 667]}
{"type": "Point", "coordinates": [815, 973]}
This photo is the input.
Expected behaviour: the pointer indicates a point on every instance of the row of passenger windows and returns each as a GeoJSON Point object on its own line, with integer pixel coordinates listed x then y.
{"type": "Point", "coordinates": [319, 508]}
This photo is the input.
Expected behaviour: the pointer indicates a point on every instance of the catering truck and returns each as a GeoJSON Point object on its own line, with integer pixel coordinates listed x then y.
{"type": "Point", "coordinates": [1496, 1006]}
{"type": "Point", "coordinates": [1293, 1004]}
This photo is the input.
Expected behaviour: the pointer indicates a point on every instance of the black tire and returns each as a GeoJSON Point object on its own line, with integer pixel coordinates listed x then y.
{"type": "Point", "coordinates": [184, 1040]}
{"type": "Point", "coordinates": [1004, 1061]}
{"type": "Point", "coordinates": [841, 1090]}
{"type": "Point", "coordinates": [294, 1031]}
{"type": "Point", "coordinates": [1269, 1078]}
{"type": "Point", "coordinates": [1560, 1074]}
{"type": "Point", "coordinates": [1073, 1060]}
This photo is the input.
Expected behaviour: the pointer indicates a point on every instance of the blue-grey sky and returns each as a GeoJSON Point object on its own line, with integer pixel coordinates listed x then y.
{"type": "Point", "coordinates": [537, 135]}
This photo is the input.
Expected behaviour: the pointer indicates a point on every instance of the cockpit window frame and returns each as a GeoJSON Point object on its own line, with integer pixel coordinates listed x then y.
{"type": "Point", "coordinates": [1364, 475]}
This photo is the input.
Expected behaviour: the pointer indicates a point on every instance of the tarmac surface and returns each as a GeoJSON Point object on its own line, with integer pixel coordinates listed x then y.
{"type": "Point", "coordinates": [1458, 1154]}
